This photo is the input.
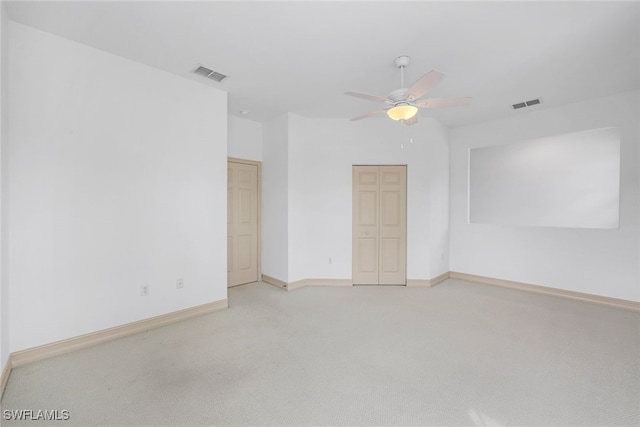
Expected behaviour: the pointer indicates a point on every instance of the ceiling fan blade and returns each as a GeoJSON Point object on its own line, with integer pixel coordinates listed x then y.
{"type": "Point", "coordinates": [367, 96]}
{"type": "Point", "coordinates": [412, 121]}
{"type": "Point", "coordinates": [424, 84]}
{"type": "Point", "coordinates": [371, 114]}
{"type": "Point", "coordinates": [443, 102]}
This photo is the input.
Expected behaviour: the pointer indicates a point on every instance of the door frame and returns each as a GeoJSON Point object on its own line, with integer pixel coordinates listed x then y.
{"type": "Point", "coordinates": [259, 209]}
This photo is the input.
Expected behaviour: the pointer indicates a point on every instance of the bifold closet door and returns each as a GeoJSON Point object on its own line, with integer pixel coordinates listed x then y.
{"type": "Point", "coordinates": [242, 223]}
{"type": "Point", "coordinates": [379, 225]}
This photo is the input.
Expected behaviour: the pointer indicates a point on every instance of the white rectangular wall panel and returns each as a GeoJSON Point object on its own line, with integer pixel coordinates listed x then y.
{"type": "Point", "coordinates": [568, 180]}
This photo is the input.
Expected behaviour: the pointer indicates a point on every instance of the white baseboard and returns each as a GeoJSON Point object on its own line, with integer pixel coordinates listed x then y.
{"type": "Point", "coordinates": [296, 285]}
{"type": "Point", "coordinates": [273, 281]}
{"type": "Point", "coordinates": [6, 371]}
{"type": "Point", "coordinates": [597, 299]}
{"type": "Point", "coordinates": [418, 283]}
{"type": "Point", "coordinates": [305, 282]}
{"type": "Point", "coordinates": [348, 282]}
{"type": "Point", "coordinates": [441, 278]}
{"type": "Point", "coordinates": [57, 348]}
{"type": "Point", "coordinates": [427, 283]}
{"type": "Point", "coordinates": [328, 282]}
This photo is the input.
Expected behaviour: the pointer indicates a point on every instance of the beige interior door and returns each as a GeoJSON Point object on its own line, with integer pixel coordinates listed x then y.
{"type": "Point", "coordinates": [379, 225]}
{"type": "Point", "coordinates": [242, 223]}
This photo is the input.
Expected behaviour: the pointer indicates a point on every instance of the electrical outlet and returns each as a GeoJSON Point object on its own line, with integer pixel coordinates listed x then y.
{"type": "Point", "coordinates": [179, 283]}
{"type": "Point", "coordinates": [330, 260]}
{"type": "Point", "coordinates": [144, 290]}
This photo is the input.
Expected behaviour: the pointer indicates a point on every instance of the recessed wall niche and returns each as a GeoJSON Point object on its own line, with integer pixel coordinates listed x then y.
{"type": "Point", "coordinates": [569, 180]}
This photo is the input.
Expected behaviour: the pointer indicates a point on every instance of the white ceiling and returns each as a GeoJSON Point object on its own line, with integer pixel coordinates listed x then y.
{"type": "Point", "coordinates": [301, 57]}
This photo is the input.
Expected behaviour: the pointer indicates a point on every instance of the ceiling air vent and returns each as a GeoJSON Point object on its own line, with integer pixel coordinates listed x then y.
{"type": "Point", "coordinates": [210, 74]}
{"type": "Point", "coordinates": [526, 104]}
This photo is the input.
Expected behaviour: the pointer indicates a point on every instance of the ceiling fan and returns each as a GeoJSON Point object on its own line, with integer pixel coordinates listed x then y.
{"type": "Point", "coordinates": [405, 102]}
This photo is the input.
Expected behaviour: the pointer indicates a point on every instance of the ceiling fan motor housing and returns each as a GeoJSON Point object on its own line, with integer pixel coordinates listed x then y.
{"type": "Point", "coordinates": [402, 61]}
{"type": "Point", "coordinates": [398, 95]}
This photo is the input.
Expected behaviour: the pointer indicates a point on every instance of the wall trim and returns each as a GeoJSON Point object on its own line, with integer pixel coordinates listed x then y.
{"type": "Point", "coordinates": [418, 283]}
{"type": "Point", "coordinates": [328, 282]}
{"type": "Point", "coordinates": [427, 283]}
{"type": "Point", "coordinates": [273, 281]}
{"type": "Point", "coordinates": [305, 282]}
{"type": "Point", "coordinates": [349, 282]}
{"type": "Point", "coordinates": [57, 348]}
{"type": "Point", "coordinates": [579, 296]}
{"type": "Point", "coordinates": [441, 278]}
{"type": "Point", "coordinates": [319, 282]}
{"type": "Point", "coordinates": [34, 354]}
{"type": "Point", "coordinates": [297, 284]}
{"type": "Point", "coordinates": [6, 371]}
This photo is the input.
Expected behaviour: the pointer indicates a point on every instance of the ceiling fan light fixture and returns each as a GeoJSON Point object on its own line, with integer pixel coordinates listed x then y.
{"type": "Point", "coordinates": [402, 112]}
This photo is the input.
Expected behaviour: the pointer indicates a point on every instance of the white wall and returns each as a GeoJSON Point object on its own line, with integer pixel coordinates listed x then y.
{"type": "Point", "coordinates": [245, 139]}
{"type": "Point", "coordinates": [600, 262]}
{"type": "Point", "coordinates": [321, 155]}
{"type": "Point", "coordinates": [437, 163]}
{"type": "Point", "coordinates": [4, 194]}
{"type": "Point", "coordinates": [275, 178]}
{"type": "Point", "coordinates": [117, 179]}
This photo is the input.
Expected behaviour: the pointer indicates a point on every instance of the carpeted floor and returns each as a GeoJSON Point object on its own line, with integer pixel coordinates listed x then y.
{"type": "Point", "coordinates": [458, 354]}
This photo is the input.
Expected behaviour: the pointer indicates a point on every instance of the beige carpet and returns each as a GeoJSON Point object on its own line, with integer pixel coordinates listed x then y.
{"type": "Point", "coordinates": [458, 354]}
